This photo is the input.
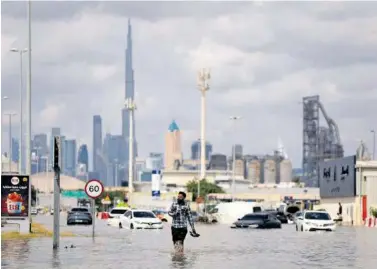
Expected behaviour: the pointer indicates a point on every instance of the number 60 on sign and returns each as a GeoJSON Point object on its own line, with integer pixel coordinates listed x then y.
{"type": "Point", "coordinates": [94, 188]}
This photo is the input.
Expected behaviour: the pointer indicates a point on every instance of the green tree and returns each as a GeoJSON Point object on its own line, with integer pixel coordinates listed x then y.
{"type": "Point", "coordinates": [296, 180]}
{"type": "Point", "coordinates": [205, 188]}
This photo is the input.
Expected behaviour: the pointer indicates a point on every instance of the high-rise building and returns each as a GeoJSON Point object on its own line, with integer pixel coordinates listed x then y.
{"type": "Point", "coordinates": [238, 150]}
{"type": "Point", "coordinates": [40, 143]}
{"type": "Point", "coordinates": [129, 93]}
{"type": "Point", "coordinates": [196, 150]}
{"type": "Point", "coordinates": [83, 156]}
{"type": "Point", "coordinates": [62, 152]}
{"type": "Point", "coordinates": [15, 150]}
{"type": "Point", "coordinates": [155, 161]}
{"type": "Point", "coordinates": [114, 156]}
{"type": "Point", "coordinates": [70, 157]}
{"type": "Point", "coordinates": [173, 151]}
{"type": "Point", "coordinates": [218, 162]}
{"type": "Point", "coordinates": [97, 143]}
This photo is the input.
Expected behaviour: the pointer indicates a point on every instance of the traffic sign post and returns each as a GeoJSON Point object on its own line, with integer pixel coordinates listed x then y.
{"type": "Point", "coordinates": [94, 188]}
{"type": "Point", "coordinates": [56, 166]}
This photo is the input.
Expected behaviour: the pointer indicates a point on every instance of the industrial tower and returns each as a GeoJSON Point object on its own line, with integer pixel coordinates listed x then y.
{"type": "Point", "coordinates": [319, 143]}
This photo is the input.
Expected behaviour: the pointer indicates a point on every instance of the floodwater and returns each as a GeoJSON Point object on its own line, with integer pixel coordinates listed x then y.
{"type": "Point", "coordinates": [218, 247]}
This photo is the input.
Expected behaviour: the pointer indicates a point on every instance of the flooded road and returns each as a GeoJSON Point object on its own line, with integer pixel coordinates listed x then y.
{"type": "Point", "coordinates": [218, 247]}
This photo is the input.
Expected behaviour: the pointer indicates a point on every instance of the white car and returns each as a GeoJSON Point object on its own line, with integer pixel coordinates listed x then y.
{"type": "Point", "coordinates": [315, 221]}
{"type": "Point", "coordinates": [115, 214]}
{"type": "Point", "coordinates": [296, 216]}
{"type": "Point", "coordinates": [140, 219]}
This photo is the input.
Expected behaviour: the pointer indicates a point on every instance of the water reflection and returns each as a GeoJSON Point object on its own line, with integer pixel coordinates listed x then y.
{"type": "Point", "coordinates": [55, 262]}
{"type": "Point", "coordinates": [15, 251]}
{"type": "Point", "coordinates": [218, 246]}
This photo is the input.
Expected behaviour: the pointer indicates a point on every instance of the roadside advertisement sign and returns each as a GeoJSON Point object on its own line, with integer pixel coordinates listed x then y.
{"type": "Point", "coordinates": [338, 177]}
{"type": "Point", "coordinates": [15, 195]}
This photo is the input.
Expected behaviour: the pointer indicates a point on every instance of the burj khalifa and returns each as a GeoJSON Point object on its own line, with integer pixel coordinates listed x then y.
{"type": "Point", "coordinates": [129, 93]}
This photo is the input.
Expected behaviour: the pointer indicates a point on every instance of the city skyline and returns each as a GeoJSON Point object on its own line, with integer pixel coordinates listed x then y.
{"type": "Point", "coordinates": [260, 72]}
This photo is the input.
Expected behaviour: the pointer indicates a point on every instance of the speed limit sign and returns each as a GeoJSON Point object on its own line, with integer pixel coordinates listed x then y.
{"type": "Point", "coordinates": [94, 188]}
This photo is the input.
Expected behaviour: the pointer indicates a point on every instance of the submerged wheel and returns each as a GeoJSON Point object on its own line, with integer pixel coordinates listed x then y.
{"type": "Point", "coordinates": [302, 228]}
{"type": "Point", "coordinates": [131, 226]}
{"type": "Point", "coordinates": [120, 225]}
{"type": "Point", "coordinates": [296, 228]}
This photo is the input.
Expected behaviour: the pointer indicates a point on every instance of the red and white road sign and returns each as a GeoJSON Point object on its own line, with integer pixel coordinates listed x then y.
{"type": "Point", "coordinates": [94, 188]}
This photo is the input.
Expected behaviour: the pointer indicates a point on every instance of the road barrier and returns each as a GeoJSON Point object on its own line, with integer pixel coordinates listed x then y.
{"type": "Point", "coordinates": [103, 215]}
{"type": "Point", "coordinates": [371, 222]}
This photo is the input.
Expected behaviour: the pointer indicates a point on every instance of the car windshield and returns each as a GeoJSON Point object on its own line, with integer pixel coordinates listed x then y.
{"type": "Point", "coordinates": [317, 216]}
{"type": "Point", "coordinates": [254, 217]}
{"type": "Point", "coordinates": [143, 214]}
{"type": "Point", "coordinates": [79, 210]}
{"type": "Point", "coordinates": [118, 211]}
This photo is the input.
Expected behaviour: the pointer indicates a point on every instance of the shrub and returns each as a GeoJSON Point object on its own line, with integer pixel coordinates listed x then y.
{"type": "Point", "coordinates": [373, 212]}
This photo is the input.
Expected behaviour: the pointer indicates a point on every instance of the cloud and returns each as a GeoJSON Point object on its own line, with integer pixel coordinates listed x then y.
{"type": "Point", "coordinates": [263, 57]}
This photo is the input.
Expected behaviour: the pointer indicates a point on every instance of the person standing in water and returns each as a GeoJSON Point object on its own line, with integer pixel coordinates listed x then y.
{"type": "Point", "coordinates": [181, 213]}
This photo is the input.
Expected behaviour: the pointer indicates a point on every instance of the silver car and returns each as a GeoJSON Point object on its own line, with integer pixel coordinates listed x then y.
{"type": "Point", "coordinates": [296, 215]}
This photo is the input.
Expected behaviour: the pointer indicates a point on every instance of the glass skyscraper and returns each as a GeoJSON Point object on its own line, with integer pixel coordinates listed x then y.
{"type": "Point", "coordinates": [70, 157]}
{"type": "Point", "coordinates": [195, 150]}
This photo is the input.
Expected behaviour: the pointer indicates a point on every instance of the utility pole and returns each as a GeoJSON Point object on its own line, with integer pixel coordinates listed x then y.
{"type": "Point", "coordinates": [28, 112]}
{"type": "Point", "coordinates": [57, 163]}
{"type": "Point", "coordinates": [131, 106]}
{"type": "Point", "coordinates": [203, 77]}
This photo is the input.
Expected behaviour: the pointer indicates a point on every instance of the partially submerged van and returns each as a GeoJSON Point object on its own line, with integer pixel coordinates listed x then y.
{"type": "Point", "coordinates": [227, 213]}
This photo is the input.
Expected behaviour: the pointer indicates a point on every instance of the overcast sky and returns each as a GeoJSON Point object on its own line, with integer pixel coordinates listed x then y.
{"type": "Point", "coordinates": [264, 57]}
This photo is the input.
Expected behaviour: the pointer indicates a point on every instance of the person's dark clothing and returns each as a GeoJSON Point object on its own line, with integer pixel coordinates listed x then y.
{"type": "Point", "coordinates": [178, 234]}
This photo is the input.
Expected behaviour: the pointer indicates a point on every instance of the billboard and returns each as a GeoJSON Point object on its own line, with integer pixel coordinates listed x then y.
{"type": "Point", "coordinates": [156, 184]}
{"type": "Point", "coordinates": [337, 178]}
{"type": "Point", "coordinates": [15, 196]}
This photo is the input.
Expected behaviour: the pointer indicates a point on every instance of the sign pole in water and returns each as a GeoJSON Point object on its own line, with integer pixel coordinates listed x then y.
{"type": "Point", "coordinates": [56, 233]}
{"type": "Point", "coordinates": [94, 188]}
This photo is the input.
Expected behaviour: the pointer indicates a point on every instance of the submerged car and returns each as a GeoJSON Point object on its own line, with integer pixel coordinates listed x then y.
{"type": "Point", "coordinates": [115, 214]}
{"type": "Point", "coordinates": [315, 221]}
{"type": "Point", "coordinates": [279, 215]}
{"type": "Point", "coordinates": [258, 220]}
{"type": "Point", "coordinates": [140, 219]}
{"type": "Point", "coordinates": [79, 217]}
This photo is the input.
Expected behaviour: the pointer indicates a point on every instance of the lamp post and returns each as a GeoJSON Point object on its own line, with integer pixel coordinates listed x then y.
{"type": "Point", "coordinates": [374, 143]}
{"type": "Point", "coordinates": [28, 101]}
{"type": "Point", "coordinates": [10, 115]}
{"type": "Point", "coordinates": [131, 106]}
{"type": "Point", "coordinates": [203, 77]}
{"type": "Point", "coordinates": [234, 119]}
{"type": "Point", "coordinates": [20, 52]}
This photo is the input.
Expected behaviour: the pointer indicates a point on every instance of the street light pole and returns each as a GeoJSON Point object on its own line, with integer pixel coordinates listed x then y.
{"type": "Point", "coordinates": [374, 143]}
{"type": "Point", "coordinates": [28, 100]}
{"type": "Point", "coordinates": [131, 106]}
{"type": "Point", "coordinates": [21, 52]}
{"type": "Point", "coordinates": [234, 119]}
{"type": "Point", "coordinates": [203, 77]}
{"type": "Point", "coordinates": [10, 115]}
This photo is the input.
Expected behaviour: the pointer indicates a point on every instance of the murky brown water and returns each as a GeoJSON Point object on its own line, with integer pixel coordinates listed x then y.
{"type": "Point", "coordinates": [218, 247]}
